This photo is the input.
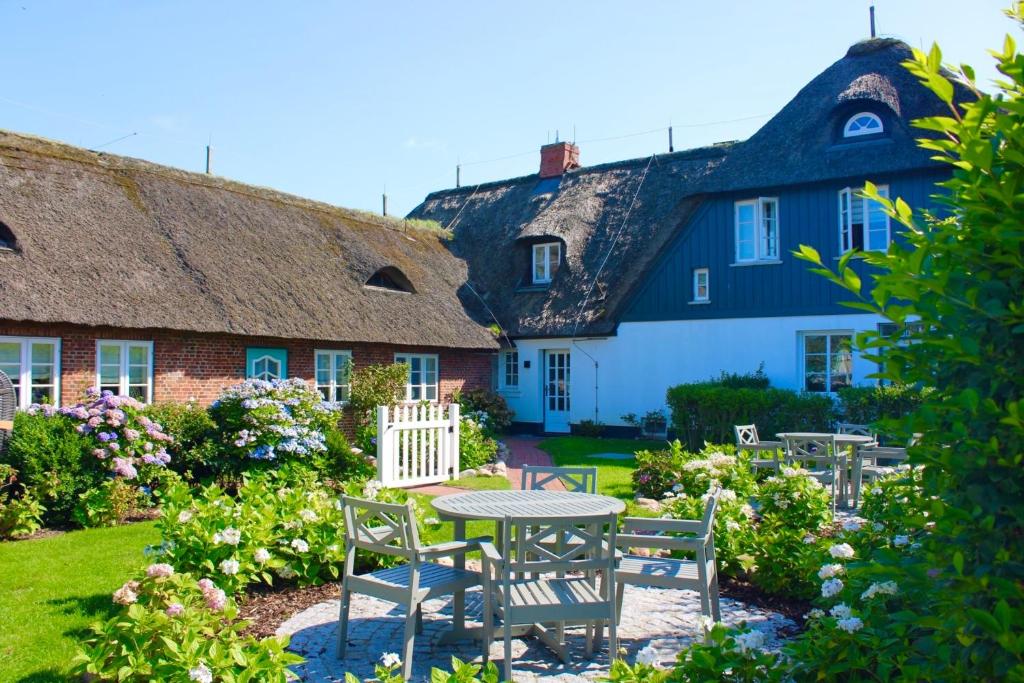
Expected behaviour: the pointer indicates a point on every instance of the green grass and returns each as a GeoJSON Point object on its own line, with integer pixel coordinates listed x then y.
{"type": "Point", "coordinates": [481, 483]}
{"type": "Point", "coordinates": [614, 477]}
{"type": "Point", "coordinates": [53, 588]}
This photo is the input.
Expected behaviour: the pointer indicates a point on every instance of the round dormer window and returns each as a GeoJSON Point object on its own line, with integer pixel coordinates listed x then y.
{"type": "Point", "coordinates": [864, 123]}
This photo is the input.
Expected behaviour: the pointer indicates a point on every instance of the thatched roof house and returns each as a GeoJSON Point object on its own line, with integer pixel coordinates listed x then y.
{"type": "Point", "coordinates": [103, 240]}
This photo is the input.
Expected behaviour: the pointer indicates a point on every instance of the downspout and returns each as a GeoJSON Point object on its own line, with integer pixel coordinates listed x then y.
{"type": "Point", "coordinates": [593, 360]}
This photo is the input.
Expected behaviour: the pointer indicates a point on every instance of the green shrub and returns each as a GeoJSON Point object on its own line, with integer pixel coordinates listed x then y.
{"type": "Point", "coordinates": [175, 628]}
{"type": "Point", "coordinates": [794, 500]}
{"type": "Point", "coordinates": [195, 451]}
{"type": "Point", "coordinates": [55, 462]}
{"type": "Point", "coordinates": [19, 516]}
{"type": "Point", "coordinates": [656, 472]}
{"type": "Point", "coordinates": [339, 462]}
{"type": "Point", "coordinates": [588, 428]}
{"type": "Point", "coordinates": [475, 447]}
{"type": "Point", "coordinates": [746, 380]}
{"type": "Point", "coordinates": [734, 526]}
{"type": "Point", "coordinates": [871, 405]}
{"type": "Point", "coordinates": [110, 503]}
{"type": "Point", "coordinates": [497, 415]}
{"type": "Point", "coordinates": [706, 412]}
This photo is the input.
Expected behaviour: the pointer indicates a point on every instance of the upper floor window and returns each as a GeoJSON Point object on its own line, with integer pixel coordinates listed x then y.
{"type": "Point", "coordinates": [701, 288]}
{"type": "Point", "coordinates": [391, 279]}
{"type": "Point", "coordinates": [863, 123]}
{"type": "Point", "coordinates": [7, 240]}
{"type": "Point", "coordinates": [422, 382]}
{"type": "Point", "coordinates": [333, 370]}
{"type": "Point", "coordinates": [33, 366]}
{"type": "Point", "coordinates": [862, 222]}
{"type": "Point", "coordinates": [757, 229]}
{"type": "Point", "coordinates": [509, 370]}
{"type": "Point", "coordinates": [125, 368]}
{"type": "Point", "coordinates": [546, 258]}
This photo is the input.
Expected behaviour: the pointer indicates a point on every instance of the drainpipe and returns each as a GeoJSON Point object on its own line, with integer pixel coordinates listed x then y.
{"type": "Point", "coordinates": [593, 360]}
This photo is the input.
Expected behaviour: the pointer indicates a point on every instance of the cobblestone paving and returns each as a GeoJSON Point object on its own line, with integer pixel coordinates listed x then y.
{"type": "Point", "coordinates": [667, 619]}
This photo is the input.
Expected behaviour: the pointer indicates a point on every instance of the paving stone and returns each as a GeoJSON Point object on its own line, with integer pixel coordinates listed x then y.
{"type": "Point", "coordinates": [665, 619]}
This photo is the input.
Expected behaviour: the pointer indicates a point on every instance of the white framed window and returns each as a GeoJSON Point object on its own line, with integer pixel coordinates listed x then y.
{"type": "Point", "coordinates": [757, 230]}
{"type": "Point", "coordinates": [33, 365]}
{"type": "Point", "coordinates": [333, 374]}
{"type": "Point", "coordinates": [701, 285]}
{"type": "Point", "coordinates": [266, 368]}
{"type": "Point", "coordinates": [826, 360]}
{"type": "Point", "coordinates": [125, 368]}
{"type": "Point", "coordinates": [423, 373]}
{"type": "Point", "coordinates": [862, 123]}
{"type": "Point", "coordinates": [509, 370]}
{"type": "Point", "coordinates": [862, 222]}
{"type": "Point", "coordinates": [546, 258]}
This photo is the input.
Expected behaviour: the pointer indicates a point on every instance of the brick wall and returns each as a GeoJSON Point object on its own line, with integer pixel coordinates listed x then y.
{"type": "Point", "coordinates": [194, 366]}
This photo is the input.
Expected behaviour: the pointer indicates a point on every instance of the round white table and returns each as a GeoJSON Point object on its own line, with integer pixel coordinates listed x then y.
{"type": "Point", "coordinates": [496, 506]}
{"type": "Point", "coordinates": [850, 442]}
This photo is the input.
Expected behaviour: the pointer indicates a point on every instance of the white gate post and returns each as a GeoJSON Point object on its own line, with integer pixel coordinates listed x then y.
{"type": "Point", "coordinates": [452, 452]}
{"type": "Point", "coordinates": [385, 453]}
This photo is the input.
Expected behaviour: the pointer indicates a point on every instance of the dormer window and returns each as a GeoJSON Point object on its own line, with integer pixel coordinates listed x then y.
{"type": "Point", "coordinates": [546, 257]}
{"type": "Point", "coordinates": [7, 240]}
{"type": "Point", "coordinates": [863, 123]}
{"type": "Point", "coordinates": [390, 279]}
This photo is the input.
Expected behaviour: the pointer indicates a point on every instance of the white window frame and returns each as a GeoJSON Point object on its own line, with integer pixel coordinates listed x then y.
{"type": "Point", "coordinates": [24, 380]}
{"type": "Point", "coordinates": [335, 357]}
{"type": "Point", "coordinates": [697, 273]}
{"type": "Point", "coordinates": [828, 334]}
{"type": "Point", "coordinates": [763, 251]}
{"type": "Point", "coordinates": [422, 385]}
{"type": "Point", "coordinates": [848, 133]}
{"type": "Point", "coordinates": [544, 250]}
{"type": "Point", "coordinates": [123, 383]}
{"type": "Point", "coordinates": [850, 194]}
{"type": "Point", "coordinates": [508, 361]}
{"type": "Point", "coordinates": [270, 376]}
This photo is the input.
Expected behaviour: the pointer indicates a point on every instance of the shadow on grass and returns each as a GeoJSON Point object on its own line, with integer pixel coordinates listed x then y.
{"type": "Point", "coordinates": [95, 607]}
{"type": "Point", "coordinates": [47, 676]}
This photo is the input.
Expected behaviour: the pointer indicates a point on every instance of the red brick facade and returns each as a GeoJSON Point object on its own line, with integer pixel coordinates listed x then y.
{"type": "Point", "coordinates": [197, 366]}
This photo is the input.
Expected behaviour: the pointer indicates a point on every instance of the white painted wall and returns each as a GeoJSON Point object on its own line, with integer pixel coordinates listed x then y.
{"type": "Point", "coordinates": [636, 367]}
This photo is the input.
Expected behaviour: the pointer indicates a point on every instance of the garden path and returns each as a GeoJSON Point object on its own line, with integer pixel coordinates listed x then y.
{"type": "Point", "coordinates": [522, 451]}
{"type": "Point", "coordinates": [665, 619]}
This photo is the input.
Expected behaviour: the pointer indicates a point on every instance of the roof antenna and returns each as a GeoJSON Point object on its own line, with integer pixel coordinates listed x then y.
{"type": "Point", "coordinates": [556, 136]}
{"type": "Point", "coordinates": [384, 198]}
{"type": "Point", "coordinates": [670, 147]}
{"type": "Point", "coordinates": [872, 13]}
{"type": "Point", "coordinates": [458, 175]}
{"type": "Point", "coordinates": [574, 133]}
{"type": "Point", "coordinates": [208, 160]}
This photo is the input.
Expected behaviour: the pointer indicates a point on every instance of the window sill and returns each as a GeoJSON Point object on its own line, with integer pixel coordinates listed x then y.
{"type": "Point", "coordinates": [534, 288]}
{"type": "Point", "coordinates": [514, 392]}
{"type": "Point", "coordinates": [744, 264]}
{"type": "Point", "coordinates": [699, 303]}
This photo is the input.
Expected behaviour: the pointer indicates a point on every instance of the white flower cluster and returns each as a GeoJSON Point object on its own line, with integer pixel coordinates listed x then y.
{"type": "Point", "coordinates": [850, 625]}
{"type": "Point", "coordinates": [853, 524]}
{"type": "Point", "coordinates": [390, 660]}
{"type": "Point", "coordinates": [831, 588]}
{"type": "Point", "coordinates": [647, 656]}
{"type": "Point", "coordinates": [883, 588]}
{"type": "Point", "coordinates": [842, 551]}
{"type": "Point", "coordinates": [231, 536]}
{"type": "Point", "coordinates": [829, 571]}
{"type": "Point", "coordinates": [749, 642]}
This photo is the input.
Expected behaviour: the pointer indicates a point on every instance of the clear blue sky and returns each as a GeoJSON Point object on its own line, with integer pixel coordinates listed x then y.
{"type": "Point", "coordinates": [336, 100]}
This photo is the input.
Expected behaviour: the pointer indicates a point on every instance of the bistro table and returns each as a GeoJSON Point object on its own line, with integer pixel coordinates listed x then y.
{"type": "Point", "coordinates": [495, 506]}
{"type": "Point", "coordinates": [845, 441]}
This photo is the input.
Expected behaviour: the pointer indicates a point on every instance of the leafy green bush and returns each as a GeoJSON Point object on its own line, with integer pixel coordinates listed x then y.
{"type": "Point", "coordinates": [20, 516]}
{"type": "Point", "coordinates": [588, 428]}
{"type": "Point", "coordinates": [870, 405]}
{"type": "Point", "coordinates": [794, 500]}
{"type": "Point", "coordinates": [55, 462]}
{"type": "Point", "coordinates": [706, 412]}
{"type": "Point", "coordinates": [339, 462]}
{"type": "Point", "coordinates": [656, 472]}
{"type": "Point", "coordinates": [498, 415]}
{"type": "Point", "coordinates": [175, 628]}
{"type": "Point", "coordinates": [747, 380]}
{"type": "Point", "coordinates": [475, 447]}
{"type": "Point", "coordinates": [110, 503]}
{"type": "Point", "coordinates": [734, 526]}
{"type": "Point", "coordinates": [195, 451]}
{"type": "Point", "coordinates": [372, 386]}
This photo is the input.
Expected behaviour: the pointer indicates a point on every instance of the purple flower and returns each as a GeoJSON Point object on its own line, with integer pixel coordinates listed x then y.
{"type": "Point", "coordinates": [123, 467]}
{"type": "Point", "coordinates": [95, 421]}
{"type": "Point", "coordinates": [92, 392]}
{"type": "Point", "coordinates": [80, 412]}
{"type": "Point", "coordinates": [175, 609]}
{"type": "Point", "coordinates": [100, 453]}
{"type": "Point", "coordinates": [131, 434]}
{"type": "Point", "coordinates": [106, 436]}
{"type": "Point", "coordinates": [106, 393]}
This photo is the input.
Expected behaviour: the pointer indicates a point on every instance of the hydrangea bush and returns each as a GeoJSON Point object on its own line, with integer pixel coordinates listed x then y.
{"type": "Point", "coordinates": [173, 627]}
{"type": "Point", "coordinates": [274, 421]}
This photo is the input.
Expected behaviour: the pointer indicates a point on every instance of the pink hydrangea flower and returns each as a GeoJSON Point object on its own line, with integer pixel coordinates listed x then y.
{"type": "Point", "coordinates": [160, 570]}
{"type": "Point", "coordinates": [216, 599]}
{"type": "Point", "coordinates": [126, 594]}
{"type": "Point", "coordinates": [175, 609]}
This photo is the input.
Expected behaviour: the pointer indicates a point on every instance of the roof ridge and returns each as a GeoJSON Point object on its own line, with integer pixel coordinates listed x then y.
{"type": "Point", "coordinates": [39, 145]}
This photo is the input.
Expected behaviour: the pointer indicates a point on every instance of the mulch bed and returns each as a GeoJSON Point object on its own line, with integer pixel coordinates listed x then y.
{"type": "Point", "coordinates": [267, 608]}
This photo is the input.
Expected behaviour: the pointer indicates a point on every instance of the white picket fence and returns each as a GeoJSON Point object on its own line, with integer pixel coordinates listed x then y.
{"type": "Point", "coordinates": [417, 444]}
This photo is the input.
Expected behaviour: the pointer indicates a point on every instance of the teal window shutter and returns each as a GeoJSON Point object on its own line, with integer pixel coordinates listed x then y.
{"type": "Point", "coordinates": [266, 363]}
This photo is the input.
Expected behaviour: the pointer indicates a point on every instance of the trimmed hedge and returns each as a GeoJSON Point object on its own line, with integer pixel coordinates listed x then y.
{"type": "Point", "coordinates": [867, 405]}
{"type": "Point", "coordinates": [706, 412]}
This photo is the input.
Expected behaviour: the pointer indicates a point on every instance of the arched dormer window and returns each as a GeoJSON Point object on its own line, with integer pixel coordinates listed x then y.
{"type": "Point", "coordinates": [863, 123]}
{"type": "Point", "coordinates": [7, 240]}
{"type": "Point", "coordinates": [391, 279]}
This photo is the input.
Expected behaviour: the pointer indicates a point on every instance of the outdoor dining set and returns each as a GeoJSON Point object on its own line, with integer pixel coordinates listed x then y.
{"type": "Point", "coordinates": [558, 560]}
{"type": "Point", "coordinates": [840, 460]}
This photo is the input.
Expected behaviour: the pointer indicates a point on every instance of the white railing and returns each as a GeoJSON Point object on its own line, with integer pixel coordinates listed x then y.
{"type": "Point", "coordinates": [417, 444]}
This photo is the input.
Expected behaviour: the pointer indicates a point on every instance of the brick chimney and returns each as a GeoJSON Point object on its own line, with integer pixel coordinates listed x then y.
{"type": "Point", "coordinates": [557, 158]}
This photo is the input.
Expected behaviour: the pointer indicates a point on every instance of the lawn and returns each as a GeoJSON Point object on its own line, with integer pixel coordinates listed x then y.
{"type": "Point", "coordinates": [53, 588]}
{"type": "Point", "coordinates": [478, 483]}
{"type": "Point", "coordinates": [614, 477]}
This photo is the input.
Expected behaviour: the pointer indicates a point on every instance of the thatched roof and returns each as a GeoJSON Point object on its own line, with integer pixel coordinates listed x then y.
{"type": "Point", "coordinates": [107, 240]}
{"type": "Point", "coordinates": [495, 223]}
{"type": "Point", "coordinates": [800, 144]}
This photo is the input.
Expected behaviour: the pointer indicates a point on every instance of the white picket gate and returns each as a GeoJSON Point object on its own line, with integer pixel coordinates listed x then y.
{"type": "Point", "coordinates": [417, 444]}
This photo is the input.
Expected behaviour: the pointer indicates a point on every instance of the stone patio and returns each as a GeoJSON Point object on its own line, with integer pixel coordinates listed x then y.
{"type": "Point", "coordinates": [666, 619]}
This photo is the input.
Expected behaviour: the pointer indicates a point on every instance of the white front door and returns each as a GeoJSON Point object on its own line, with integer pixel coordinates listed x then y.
{"type": "Point", "coordinates": [556, 391]}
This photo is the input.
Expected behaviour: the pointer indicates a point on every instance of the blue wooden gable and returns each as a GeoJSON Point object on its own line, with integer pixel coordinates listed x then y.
{"type": "Point", "coordinates": [808, 214]}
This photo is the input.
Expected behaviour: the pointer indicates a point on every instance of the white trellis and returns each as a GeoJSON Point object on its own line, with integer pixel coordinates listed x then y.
{"type": "Point", "coordinates": [417, 444]}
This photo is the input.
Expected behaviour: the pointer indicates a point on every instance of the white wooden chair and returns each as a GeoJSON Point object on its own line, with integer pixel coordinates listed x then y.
{"type": "Point", "coordinates": [390, 529]}
{"type": "Point", "coordinates": [867, 465]}
{"type": "Point", "coordinates": [526, 583]}
{"type": "Point", "coordinates": [575, 479]}
{"type": "Point", "coordinates": [853, 428]}
{"type": "Point", "coordinates": [822, 459]}
{"type": "Point", "coordinates": [692, 536]}
{"type": "Point", "coordinates": [8, 403]}
{"type": "Point", "coordinates": [748, 440]}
